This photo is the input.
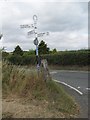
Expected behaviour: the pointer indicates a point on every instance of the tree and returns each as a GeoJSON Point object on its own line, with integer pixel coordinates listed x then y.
{"type": "Point", "coordinates": [43, 49]}
{"type": "Point", "coordinates": [1, 36]}
{"type": "Point", "coordinates": [54, 50]}
{"type": "Point", "coordinates": [18, 51]}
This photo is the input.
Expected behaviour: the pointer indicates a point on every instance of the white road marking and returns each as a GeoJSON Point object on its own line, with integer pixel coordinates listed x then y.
{"type": "Point", "coordinates": [69, 86]}
{"type": "Point", "coordinates": [87, 88]}
{"type": "Point", "coordinates": [73, 71]}
{"type": "Point", "coordinates": [53, 72]}
{"type": "Point", "coordinates": [78, 87]}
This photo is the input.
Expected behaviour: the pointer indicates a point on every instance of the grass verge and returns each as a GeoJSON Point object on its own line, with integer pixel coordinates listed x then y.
{"type": "Point", "coordinates": [73, 67]}
{"type": "Point", "coordinates": [29, 86]}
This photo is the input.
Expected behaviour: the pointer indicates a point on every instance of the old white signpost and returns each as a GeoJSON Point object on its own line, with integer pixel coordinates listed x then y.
{"type": "Point", "coordinates": [34, 31]}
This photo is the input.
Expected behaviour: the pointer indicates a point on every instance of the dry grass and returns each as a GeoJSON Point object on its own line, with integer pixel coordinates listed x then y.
{"type": "Point", "coordinates": [47, 98]}
{"type": "Point", "coordinates": [19, 108]}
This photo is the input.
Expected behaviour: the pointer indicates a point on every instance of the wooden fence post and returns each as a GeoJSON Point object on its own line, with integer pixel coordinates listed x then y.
{"type": "Point", "coordinates": [45, 69]}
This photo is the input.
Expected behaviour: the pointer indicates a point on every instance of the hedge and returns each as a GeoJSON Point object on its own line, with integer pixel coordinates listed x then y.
{"type": "Point", "coordinates": [63, 58]}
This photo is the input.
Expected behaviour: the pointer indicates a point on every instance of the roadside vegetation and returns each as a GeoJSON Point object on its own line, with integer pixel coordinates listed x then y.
{"type": "Point", "coordinates": [25, 92]}
{"type": "Point", "coordinates": [26, 85]}
{"type": "Point", "coordinates": [69, 59]}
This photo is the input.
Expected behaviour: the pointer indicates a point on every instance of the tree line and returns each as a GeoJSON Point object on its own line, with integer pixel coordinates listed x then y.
{"type": "Point", "coordinates": [54, 57]}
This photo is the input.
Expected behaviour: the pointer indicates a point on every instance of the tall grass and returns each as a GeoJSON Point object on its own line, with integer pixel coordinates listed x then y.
{"type": "Point", "coordinates": [21, 81]}
{"type": "Point", "coordinates": [27, 83]}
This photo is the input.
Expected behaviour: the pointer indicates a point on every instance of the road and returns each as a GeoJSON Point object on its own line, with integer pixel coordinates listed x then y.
{"type": "Point", "coordinates": [76, 83]}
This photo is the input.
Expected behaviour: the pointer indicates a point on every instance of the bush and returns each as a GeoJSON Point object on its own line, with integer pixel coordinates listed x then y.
{"type": "Point", "coordinates": [68, 58]}
{"type": "Point", "coordinates": [80, 58]}
{"type": "Point", "coordinates": [15, 59]}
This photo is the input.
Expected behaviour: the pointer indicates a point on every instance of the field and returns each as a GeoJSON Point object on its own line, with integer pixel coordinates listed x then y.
{"type": "Point", "coordinates": [27, 95]}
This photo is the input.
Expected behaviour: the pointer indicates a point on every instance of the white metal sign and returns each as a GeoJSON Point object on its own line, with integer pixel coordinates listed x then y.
{"type": "Point", "coordinates": [31, 32]}
{"type": "Point", "coordinates": [27, 26]}
{"type": "Point", "coordinates": [42, 34]}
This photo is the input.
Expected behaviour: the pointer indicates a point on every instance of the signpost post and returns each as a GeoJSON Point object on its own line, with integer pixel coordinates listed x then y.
{"type": "Point", "coordinates": [36, 35]}
{"type": "Point", "coordinates": [34, 31]}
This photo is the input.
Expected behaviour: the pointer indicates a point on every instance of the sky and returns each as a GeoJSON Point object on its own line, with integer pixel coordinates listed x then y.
{"type": "Point", "coordinates": [66, 22]}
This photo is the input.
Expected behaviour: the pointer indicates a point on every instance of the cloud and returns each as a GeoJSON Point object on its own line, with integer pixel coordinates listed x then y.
{"type": "Point", "coordinates": [68, 40]}
{"type": "Point", "coordinates": [66, 22]}
{"type": "Point", "coordinates": [64, 16]}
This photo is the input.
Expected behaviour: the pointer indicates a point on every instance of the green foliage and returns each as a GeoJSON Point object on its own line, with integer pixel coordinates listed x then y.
{"type": "Point", "coordinates": [63, 58]}
{"type": "Point", "coordinates": [5, 55]}
{"type": "Point", "coordinates": [22, 60]}
{"type": "Point", "coordinates": [30, 52]}
{"type": "Point", "coordinates": [54, 51]}
{"type": "Point", "coordinates": [27, 60]}
{"type": "Point", "coordinates": [43, 49]}
{"type": "Point", "coordinates": [15, 59]}
{"type": "Point", "coordinates": [68, 58]}
{"type": "Point", "coordinates": [18, 51]}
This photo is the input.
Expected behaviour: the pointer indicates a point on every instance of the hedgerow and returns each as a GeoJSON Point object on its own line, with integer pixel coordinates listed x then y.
{"type": "Point", "coordinates": [80, 58]}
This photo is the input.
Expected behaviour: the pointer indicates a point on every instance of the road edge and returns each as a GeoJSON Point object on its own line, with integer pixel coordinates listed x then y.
{"type": "Point", "coordinates": [69, 86]}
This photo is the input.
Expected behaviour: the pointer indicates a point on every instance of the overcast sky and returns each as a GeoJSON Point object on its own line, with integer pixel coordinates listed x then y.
{"type": "Point", "coordinates": [66, 22]}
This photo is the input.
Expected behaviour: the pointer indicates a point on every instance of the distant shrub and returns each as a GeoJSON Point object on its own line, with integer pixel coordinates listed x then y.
{"type": "Point", "coordinates": [68, 58]}
{"type": "Point", "coordinates": [80, 58]}
{"type": "Point", "coordinates": [15, 59]}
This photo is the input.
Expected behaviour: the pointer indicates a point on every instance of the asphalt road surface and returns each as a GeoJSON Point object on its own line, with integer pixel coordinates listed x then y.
{"type": "Point", "coordinates": [76, 83]}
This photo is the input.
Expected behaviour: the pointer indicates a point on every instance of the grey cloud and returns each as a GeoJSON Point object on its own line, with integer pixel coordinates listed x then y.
{"type": "Point", "coordinates": [71, 18]}
{"type": "Point", "coordinates": [53, 17]}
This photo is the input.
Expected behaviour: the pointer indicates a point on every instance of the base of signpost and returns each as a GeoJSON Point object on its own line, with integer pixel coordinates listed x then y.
{"type": "Point", "coordinates": [45, 70]}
